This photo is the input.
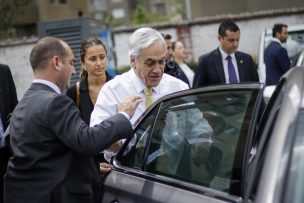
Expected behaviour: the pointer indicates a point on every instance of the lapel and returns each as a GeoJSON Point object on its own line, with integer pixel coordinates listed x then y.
{"type": "Point", "coordinates": [219, 66]}
{"type": "Point", "coordinates": [241, 66]}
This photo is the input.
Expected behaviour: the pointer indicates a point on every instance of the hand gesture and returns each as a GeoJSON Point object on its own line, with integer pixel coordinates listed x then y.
{"type": "Point", "coordinates": [129, 105]}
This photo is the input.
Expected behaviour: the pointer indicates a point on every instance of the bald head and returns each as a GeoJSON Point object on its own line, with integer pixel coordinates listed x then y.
{"type": "Point", "coordinates": [52, 59]}
{"type": "Point", "coordinates": [45, 49]}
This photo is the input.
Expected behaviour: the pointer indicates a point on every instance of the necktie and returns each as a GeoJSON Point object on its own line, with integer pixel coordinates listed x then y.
{"type": "Point", "coordinates": [231, 71]}
{"type": "Point", "coordinates": [148, 93]}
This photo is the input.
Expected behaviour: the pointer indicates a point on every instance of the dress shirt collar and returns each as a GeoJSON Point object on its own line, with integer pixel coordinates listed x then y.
{"type": "Point", "coordinates": [276, 40]}
{"type": "Point", "coordinates": [139, 85]}
{"type": "Point", "coordinates": [48, 83]}
{"type": "Point", "coordinates": [224, 54]}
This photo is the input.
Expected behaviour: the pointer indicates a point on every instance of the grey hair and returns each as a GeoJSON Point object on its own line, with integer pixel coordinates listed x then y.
{"type": "Point", "coordinates": [142, 38]}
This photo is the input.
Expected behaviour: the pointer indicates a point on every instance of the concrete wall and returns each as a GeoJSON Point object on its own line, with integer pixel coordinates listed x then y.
{"type": "Point", "coordinates": [17, 58]}
{"type": "Point", "coordinates": [204, 36]}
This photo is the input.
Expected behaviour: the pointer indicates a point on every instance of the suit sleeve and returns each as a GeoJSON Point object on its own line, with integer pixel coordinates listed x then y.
{"type": "Point", "coordinates": [283, 60]}
{"type": "Point", "coordinates": [254, 71]}
{"type": "Point", "coordinates": [66, 122]}
{"type": "Point", "coordinates": [199, 76]}
{"type": "Point", "coordinates": [13, 93]}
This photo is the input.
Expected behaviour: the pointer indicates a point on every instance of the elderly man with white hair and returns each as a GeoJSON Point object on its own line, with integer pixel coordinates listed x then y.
{"type": "Point", "coordinates": [146, 78]}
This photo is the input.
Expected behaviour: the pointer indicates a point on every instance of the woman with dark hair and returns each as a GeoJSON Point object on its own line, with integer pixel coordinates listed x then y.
{"type": "Point", "coordinates": [178, 68]}
{"type": "Point", "coordinates": [93, 75]}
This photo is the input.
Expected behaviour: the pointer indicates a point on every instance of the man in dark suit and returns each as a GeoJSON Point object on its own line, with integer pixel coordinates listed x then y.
{"type": "Point", "coordinates": [46, 130]}
{"type": "Point", "coordinates": [8, 102]}
{"type": "Point", "coordinates": [225, 64]}
{"type": "Point", "coordinates": [276, 58]}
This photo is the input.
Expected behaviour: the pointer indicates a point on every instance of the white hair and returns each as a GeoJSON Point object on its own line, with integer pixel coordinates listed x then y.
{"type": "Point", "coordinates": [142, 38]}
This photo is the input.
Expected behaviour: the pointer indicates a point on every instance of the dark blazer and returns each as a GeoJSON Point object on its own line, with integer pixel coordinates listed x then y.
{"type": "Point", "coordinates": [8, 101]}
{"type": "Point", "coordinates": [277, 62]}
{"type": "Point", "coordinates": [210, 69]}
{"type": "Point", "coordinates": [172, 68]}
{"type": "Point", "coordinates": [85, 104]}
{"type": "Point", "coordinates": [8, 94]}
{"type": "Point", "coordinates": [46, 131]}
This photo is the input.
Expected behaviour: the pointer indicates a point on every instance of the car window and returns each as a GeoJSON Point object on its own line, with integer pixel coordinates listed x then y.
{"type": "Point", "coordinates": [295, 183]}
{"type": "Point", "coordinates": [196, 138]}
{"type": "Point", "coordinates": [133, 155]}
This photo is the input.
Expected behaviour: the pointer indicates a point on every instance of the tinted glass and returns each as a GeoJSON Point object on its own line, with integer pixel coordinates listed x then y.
{"type": "Point", "coordinates": [197, 138]}
{"type": "Point", "coordinates": [294, 189]}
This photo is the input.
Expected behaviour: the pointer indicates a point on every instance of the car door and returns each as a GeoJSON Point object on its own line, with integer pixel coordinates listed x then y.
{"type": "Point", "coordinates": [276, 171]}
{"type": "Point", "coordinates": [189, 146]}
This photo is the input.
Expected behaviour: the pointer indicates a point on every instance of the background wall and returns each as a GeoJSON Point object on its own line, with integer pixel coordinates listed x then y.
{"type": "Point", "coordinates": [203, 39]}
{"type": "Point", "coordinates": [17, 58]}
{"type": "Point", "coordinates": [204, 36]}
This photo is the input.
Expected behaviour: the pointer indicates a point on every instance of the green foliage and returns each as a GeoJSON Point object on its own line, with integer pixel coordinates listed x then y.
{"type": "Point", "coordinates": [192, 65]}
{"type": "Point", "coordinates": [9, 9]}
{"type": "Point", "coordinates": [140, 16]}
{"type": "Point", "coordinates": [123, 69]}
{"type": "Point", "coordinates": [6, 14]}
{"type": "Point", "coordinates": [158, 17]}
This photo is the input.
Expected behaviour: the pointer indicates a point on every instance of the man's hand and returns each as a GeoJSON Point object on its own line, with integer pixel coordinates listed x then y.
{"type": "Point", "coordinates": [105, 168]}
{"type": "Point", "coordinates": [129, 105]}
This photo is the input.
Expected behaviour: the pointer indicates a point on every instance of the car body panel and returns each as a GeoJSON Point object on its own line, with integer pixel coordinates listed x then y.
{"type": "Point", "coordinates": [275, 169]}
{"type": "Point", "coordinates": [141, 189]}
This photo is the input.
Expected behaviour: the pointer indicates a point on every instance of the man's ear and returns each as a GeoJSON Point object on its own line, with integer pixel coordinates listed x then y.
{"type": "Point", "coordinates": [219, 38]}
{"type": "Point", "coordinates": [56, 63]}
{"type": "Point", "coordinates": [132, 61]}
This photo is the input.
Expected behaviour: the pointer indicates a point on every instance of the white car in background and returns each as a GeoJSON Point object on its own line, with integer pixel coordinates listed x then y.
{"type": "Point", "coordinates": [294, 44]}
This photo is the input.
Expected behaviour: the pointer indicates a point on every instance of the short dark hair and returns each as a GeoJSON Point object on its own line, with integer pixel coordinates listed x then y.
{"type": "Point", "coordinates": [227, 25]}
{"type": "Point", "coordinates": [167, 36]}
{"type": "Point", "coordinates": [45, 49]}
{"type": "Point", "coordinates": [277, 28]}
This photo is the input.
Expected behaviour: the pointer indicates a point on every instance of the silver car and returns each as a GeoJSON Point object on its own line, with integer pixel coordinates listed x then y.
{"type": "Point", "coordinates": [216, 144]}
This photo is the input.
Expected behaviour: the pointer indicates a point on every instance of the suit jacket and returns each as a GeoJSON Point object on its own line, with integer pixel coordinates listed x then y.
{"type": "Point", "coordinates": [210, 69]}
{"type": "Point", "coordinates": [172, 68]}
{"type": "Point", "coordinates": [8, 94]}
{"type": "Point", "coordinates": [46, 131]}
{"type": "Point", "coordinates": [8, 101]}
{"type": "Point", "coordinates": [277, 62]}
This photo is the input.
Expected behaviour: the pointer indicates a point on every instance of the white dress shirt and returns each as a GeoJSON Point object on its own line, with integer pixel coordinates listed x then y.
{"type": "Point", "coordinates": [225, 65]}
{"type": "Point", "coordinates": [188, 72]}
{"type": "Point", "coordinates": [48, 83]}
{"type": "Point", "coordinates": [128, 84]}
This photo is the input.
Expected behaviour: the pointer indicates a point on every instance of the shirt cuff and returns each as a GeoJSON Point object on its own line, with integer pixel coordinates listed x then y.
{"type": "Point", "coordinates": [125, 114]}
